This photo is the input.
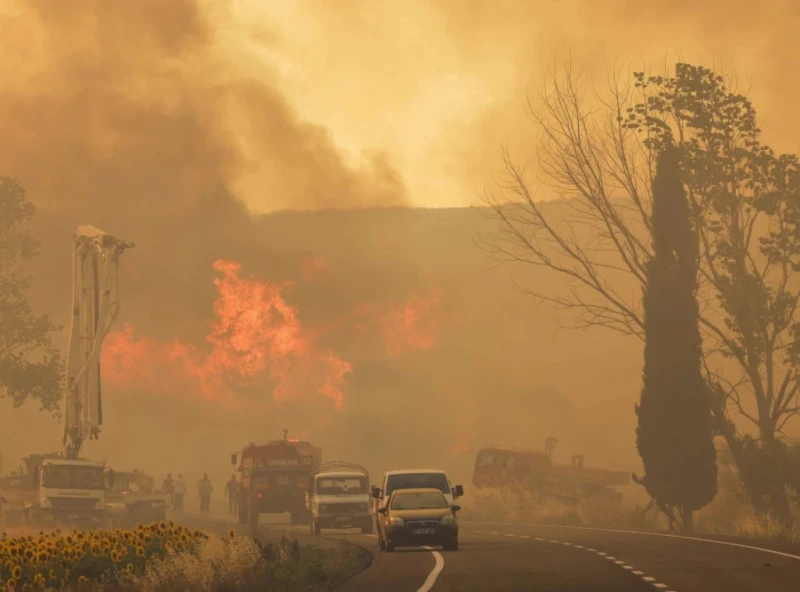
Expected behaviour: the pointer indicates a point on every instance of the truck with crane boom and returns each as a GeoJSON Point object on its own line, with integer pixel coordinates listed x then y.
{"type": "Point", "coordinates": [62, 487]}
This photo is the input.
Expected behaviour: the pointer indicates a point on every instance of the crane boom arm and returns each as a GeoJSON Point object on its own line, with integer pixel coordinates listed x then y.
{"type": "Point", "coordinates": [95, 307]}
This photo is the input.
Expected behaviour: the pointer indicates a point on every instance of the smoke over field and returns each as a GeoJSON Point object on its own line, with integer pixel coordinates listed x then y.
{"type": "Point", "coordinates": [378, 330]}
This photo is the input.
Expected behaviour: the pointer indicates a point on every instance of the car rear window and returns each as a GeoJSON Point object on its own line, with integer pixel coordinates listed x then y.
{"type": "Point", "coordinates": [417, 481]}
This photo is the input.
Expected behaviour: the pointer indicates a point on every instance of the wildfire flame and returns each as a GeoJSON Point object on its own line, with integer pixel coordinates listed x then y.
{"type": "Point", "coordinates": [409, 326]}
{"type": "Point", "coordinates": [313, 266]}
{"type": "Point", "coordinates": [256, 344]}
{"type": "Point", "coordinates": [255, 335]}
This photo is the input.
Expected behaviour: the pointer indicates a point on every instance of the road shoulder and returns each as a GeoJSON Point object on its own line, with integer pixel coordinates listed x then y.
{"type": "Point", "coordinates": [343, 558]}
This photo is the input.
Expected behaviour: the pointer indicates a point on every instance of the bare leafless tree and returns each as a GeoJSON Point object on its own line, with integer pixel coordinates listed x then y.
{"type": "Point", "coordinates": [595, 165]}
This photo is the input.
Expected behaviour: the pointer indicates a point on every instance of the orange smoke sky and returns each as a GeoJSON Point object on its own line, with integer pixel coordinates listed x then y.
{"type": "Point", "coordinates": [257, 345]}
{"type": "Point", "coordinates": [440, 84]}
{"type": "Point", "coordinates": [146, 105]}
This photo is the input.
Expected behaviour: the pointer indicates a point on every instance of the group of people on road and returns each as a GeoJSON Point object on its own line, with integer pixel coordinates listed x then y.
{"type": "Point", "coordinates": [175, 490]}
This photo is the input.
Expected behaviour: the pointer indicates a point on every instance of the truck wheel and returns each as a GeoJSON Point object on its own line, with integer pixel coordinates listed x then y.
{"type": "Point", "coordinates": [159, 512]}
{"type": "Point", "coordinates": [253, 524]}
{"type": "Point", "coordinates": [150, 511]}
{"type": "Point", "coordinates": [300, 517]}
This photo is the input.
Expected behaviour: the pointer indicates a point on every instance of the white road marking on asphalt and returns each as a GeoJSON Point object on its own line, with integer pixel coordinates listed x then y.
{"type": "Point", "coordinates": [511, 535]}
{"type": "Point", "coordinates": [622, 564]}
{"type": "Point", "coordinates": [437, 569]}
{"type": "Point", "coordinates": [524, 536]}
{"type": "Point", "coordinates": [539, 539]}
{"type": "Point", "coordinates": [494, 532]}
{"type": "Point", "coordinates": [678, 536]}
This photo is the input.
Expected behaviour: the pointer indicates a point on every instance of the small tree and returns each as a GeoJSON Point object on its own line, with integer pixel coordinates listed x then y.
{"type": "Point", "coordinates": [675, 432]}
{"type": "Point", "coordinates": [30, 366]}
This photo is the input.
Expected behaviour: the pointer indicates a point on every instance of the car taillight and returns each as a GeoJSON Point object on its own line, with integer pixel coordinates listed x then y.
{"type": "Point", "coordinates": [259, 496]}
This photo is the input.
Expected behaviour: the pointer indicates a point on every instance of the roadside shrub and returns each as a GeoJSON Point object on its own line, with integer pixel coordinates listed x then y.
{"type": "Point", "coordinates": [727, 515]}
{"type": "Point", "coordinates": [238, 563]}
{"type": "Point", "coordinates": [515, 504]}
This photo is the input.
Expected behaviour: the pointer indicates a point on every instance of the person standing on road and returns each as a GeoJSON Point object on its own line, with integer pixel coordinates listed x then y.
{"type": "Point", "coordinates": [178, 491]}
{"type": "Point", "coordinates": [204, 491]}
{"type": "Point", "coordinates": [232, 491]}
{"type": "Point", "coordinates": [168, 488]}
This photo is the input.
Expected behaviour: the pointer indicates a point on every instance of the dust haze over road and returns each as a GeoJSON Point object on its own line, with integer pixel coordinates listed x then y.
{"type": "Point", "coordinates": [190, 127]}
{"type": "Point", "coordinates": [158, 125]}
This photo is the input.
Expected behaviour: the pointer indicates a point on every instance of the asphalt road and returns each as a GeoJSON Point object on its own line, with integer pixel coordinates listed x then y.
{"type": "Point", "coordinates": [506, 558]}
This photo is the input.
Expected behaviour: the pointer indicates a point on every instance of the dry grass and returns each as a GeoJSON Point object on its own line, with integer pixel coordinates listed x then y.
{"type": "Point", "coordinates": [240, 564]}
{"type": "Point", "coordinates": [728, 515]}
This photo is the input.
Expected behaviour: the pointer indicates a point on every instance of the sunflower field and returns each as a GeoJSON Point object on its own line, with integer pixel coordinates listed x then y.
{"type": "Point", "coordinates": [168, 557]}
{"type": "Point", "coordinates": [86, 560]}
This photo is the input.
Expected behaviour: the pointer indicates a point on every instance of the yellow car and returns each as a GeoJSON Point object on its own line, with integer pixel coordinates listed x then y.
{"type": "Point", "coordinates": [418, 517]}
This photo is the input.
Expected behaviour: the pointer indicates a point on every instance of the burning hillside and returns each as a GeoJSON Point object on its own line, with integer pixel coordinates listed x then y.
{"type": "Point", "coordinates": [257, 345]}
{"type": "Point", "coordinates": [409, 326]}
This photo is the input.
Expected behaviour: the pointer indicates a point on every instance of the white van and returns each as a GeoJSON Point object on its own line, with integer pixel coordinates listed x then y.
{"type": "Point", "coordinates": [339, 498]}
{"type": "Point", "coordinates": [415, 479]}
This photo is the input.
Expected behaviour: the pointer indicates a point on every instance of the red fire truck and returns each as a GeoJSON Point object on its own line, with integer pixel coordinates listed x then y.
{"type": "Point", "coordinates": [535, 471]}
{"type": "Point", "coordinates": [274, 479]}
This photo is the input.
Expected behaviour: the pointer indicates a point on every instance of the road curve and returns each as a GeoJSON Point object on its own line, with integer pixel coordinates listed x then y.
{"type": "Point", "coordinates": [489, 562]}
{"type": "Point", "coordinates": [510, 558]}
{"type": "Point", "coordinates": [682, 564]}
{"type": "Point", "coordinates": [520, 557]}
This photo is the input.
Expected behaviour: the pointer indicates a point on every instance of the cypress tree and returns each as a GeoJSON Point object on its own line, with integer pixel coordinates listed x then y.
{"type": "Point", "coordinates": [675, 433]}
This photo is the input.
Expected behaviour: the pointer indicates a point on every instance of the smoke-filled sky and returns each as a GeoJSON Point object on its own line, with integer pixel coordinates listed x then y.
{"type": "Point", "coordinates": [309, 103]}
{"type": "Point", "coordinates": [126, 113]}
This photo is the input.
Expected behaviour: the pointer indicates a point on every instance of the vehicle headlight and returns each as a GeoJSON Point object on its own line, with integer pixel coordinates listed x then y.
{"type": "Point", "coordinates": [448, 519]}
{"type": "Point", "coordinates": [396, 521]}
